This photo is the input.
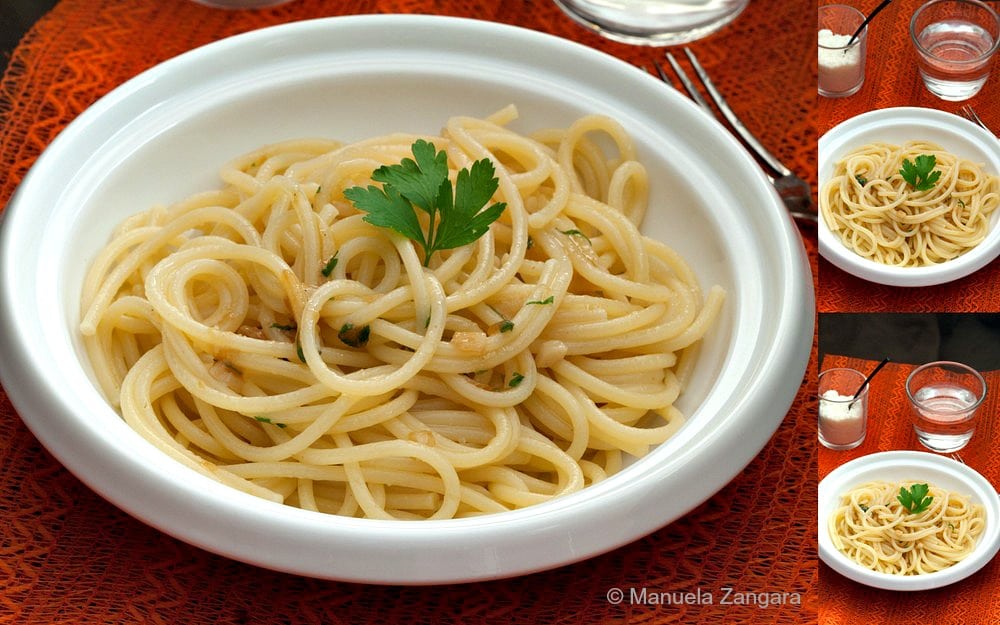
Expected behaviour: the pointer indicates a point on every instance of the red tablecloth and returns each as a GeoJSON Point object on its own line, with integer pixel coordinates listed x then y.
{"type": "Point", "coordinates": [972, 601]}
{"type": "Point", "coordinates": [892, 80]}
{"type": "Point", "coordinates": [66, 556]}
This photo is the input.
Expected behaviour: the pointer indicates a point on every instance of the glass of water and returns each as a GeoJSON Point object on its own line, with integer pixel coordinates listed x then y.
{"type": "Point", "coordinates": [944, 398]}
{"type": "Point", "coordinates": [955, 42]}
{"type": "Point", "coordinates": [653, 22]}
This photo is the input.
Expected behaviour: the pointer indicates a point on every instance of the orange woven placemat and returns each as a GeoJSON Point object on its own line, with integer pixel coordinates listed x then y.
{"type": "Point", "coordinates": [892, 80]}
{"type": "Point", "coordinates": [973, 601]}
{"type": "Point", "coordinates": [67, 556]}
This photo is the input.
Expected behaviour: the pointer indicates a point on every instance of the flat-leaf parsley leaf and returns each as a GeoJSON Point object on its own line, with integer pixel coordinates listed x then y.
{"type": "Point", "coordinates": [455, 216]}
{"type": "Point", "coordinates": [915, 500]}
{"type": "Point", "coordinates": [920, 172]}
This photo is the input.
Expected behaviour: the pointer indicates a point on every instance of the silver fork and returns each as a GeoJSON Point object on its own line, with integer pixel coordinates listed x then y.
{"type": "Point", "coordinates": [969, 113]}
{"type": "Point", "coordinates": [794, 191]}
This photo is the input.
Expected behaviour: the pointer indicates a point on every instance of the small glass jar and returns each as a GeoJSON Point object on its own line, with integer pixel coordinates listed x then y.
{"type": "Point", "coordinates": [843, 418]}
{"type": "Point", "coordinates": [841, 66]}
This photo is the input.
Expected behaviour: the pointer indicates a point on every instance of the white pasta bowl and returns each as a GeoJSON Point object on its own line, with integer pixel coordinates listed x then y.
{"type": "Point", "coordinates": [163, 136]}
{"type": "Point", "coordinates": [897, 126]}
{"type": "Point", "coordinates": [918, 466]}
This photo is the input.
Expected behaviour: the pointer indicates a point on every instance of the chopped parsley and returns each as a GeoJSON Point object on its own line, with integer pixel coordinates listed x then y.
{"type": "Point", "coordinates": [268, 420]}
{"type": "Point", "coordinates": [354, 337]}
{"type": "Point", "coordinates": [505, 325]}
{"type": "Point", "coordinates": [542, 302]}
{"type": "Point", "coordinates": [329, 266]}
{"type": "Point", "coordinates": [575, 233]}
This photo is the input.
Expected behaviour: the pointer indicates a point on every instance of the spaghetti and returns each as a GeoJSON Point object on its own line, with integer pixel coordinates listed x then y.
{"type": "Point", "coordinates": [265, 335]}
{"type": "Point", "coordinates": [874, 529]}
{"type": "Point", "coordinates": [874, 211]}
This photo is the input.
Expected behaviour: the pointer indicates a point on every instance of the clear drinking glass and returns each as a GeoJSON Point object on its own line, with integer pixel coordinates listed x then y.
{"type": "Point", "coordinates": [944, 399]}
{"type": "Point", "coordinates": [843, 420]}
{"type": "Point", "coordinates": [653, 22]}
{"type": "Point", "coordinates": [841, 66]}
{"type": "Point", "coordinates": [955, 42]}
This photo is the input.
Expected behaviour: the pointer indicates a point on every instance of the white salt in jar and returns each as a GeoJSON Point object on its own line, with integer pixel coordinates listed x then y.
{"type": "Point", "coordinates": [841, 66]}
{"type": "Point", "coordinates": [843, 418]}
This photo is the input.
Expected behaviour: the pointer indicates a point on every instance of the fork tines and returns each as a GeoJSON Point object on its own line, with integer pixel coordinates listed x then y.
{"type": "Point", "coordinates": [970, 114]}
{"type": "Point", "coordinates": [720, 103]}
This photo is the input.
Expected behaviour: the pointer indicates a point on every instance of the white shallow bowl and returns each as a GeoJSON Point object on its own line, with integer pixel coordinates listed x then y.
{"type": "Point", "coordinates": [163, 136]}
{"type": "Point", "coordinates": [897, 126]}
{"type": "Point", "coordinates": [909, 465]}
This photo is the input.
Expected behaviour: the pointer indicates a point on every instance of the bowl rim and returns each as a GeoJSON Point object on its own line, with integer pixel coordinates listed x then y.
{"type": "Point", "coordinates": [844, 135]}
{"type": "Point", "coordinates": [542, 545]}
{"type": "Point", "coordinates": [858, 470]}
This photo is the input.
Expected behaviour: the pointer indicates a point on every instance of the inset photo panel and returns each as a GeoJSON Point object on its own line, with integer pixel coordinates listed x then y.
{"type": "Point", "coordinates": [907, 413]}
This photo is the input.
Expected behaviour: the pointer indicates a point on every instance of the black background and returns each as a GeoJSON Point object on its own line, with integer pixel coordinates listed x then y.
{"type": "Point", "coordinates": [972, 339]}
{"type": "Point", "coordinates": [16, 17]}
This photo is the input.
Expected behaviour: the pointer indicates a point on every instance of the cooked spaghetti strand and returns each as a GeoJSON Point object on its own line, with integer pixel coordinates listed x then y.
{"type": "Point", "coordinates": [269, 337]}
{"type": "Point", "coordinates": [876, 213]}
{"type": "Point", "coordinates": [873, 528]}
